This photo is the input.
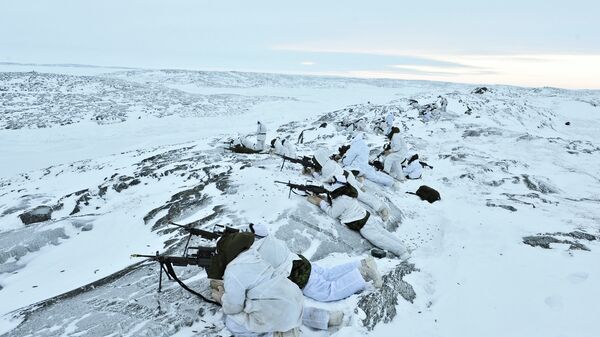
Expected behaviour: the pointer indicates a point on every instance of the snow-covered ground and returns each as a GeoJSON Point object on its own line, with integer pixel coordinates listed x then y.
{"type": "Point", "coordinates": [512, 249]}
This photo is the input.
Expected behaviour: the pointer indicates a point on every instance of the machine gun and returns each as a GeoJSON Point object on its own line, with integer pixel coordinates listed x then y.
{"type": "Point", "coordinates": [313, 189]}
{"type": "Point", "coordinates": [305, 161]}
{"type": "Point", "coordinates": [201, 258]}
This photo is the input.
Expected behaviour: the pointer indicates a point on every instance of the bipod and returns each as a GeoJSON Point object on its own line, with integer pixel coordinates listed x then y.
{"type": "Point", "coordinates": [162, 269]}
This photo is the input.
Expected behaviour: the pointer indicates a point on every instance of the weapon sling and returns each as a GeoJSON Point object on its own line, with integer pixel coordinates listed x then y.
{"type": "Point", "coordinates": [171, 272]}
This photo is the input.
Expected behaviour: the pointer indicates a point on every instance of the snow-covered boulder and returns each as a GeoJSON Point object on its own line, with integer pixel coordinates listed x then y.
{"type": "Point", "coordinates": [38, 214]}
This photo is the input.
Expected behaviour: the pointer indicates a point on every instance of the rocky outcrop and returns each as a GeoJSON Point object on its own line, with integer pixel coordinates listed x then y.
{"type": "Point", "coordinates": [544, 240]}
{"type": "Point", "coordinates": [125, 182]}
{"type": "Point", "coordinates": [38, 214]}
{"type": "Point", "coordinates": [380, 306]}
{"type": "Point", "coordinates": [480, 90]}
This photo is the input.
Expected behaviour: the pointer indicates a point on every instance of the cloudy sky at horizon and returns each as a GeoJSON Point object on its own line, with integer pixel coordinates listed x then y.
{"type": "Point", "coordinates": [532, 43]}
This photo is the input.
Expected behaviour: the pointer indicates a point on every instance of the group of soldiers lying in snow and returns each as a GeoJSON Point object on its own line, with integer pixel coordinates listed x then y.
{"type": "Point", "coordinates": [261, 283]}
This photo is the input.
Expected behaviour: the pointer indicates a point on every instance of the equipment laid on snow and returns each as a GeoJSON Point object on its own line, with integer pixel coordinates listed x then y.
{"type": "Point", "coordinates": [201, 258]}
{"type": "Point", "coordinates": [305, 161]}
{"type": "Point", "coordinates": [378, 253]}
{"type": "Point", "coordinates": [237, 148]}
{"type": "Point", "coordinates": [427, 193]}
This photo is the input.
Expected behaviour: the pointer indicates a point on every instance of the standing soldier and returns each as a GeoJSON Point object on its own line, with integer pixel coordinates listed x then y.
{"type": "Point", "coordinates": [395, 154]}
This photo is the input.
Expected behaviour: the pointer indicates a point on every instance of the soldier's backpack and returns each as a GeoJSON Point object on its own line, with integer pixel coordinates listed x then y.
{"type": "Point", "coordinates": [427, 193]}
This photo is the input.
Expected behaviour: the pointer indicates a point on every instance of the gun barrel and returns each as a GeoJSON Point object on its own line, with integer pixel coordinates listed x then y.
{"type": "Point", "coordinates": [202, 261]}
{"type": "Point", "coordinates": [140, 255]}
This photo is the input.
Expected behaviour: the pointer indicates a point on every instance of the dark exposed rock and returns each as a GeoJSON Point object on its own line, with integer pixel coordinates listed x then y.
{"type": "Point", "coordinates": [125, 183]}
{"type": "Point", "coordinates": [38, 214]}
{"type": "Point", "coordinates": [581, 236]}
{"type": "Point", "coordinates": [80, 192]}
{"type": "Point", "coordinates": [532, 195]}
{"type": "Point", "coordinates": [480, 90]}
{"type": "Point", "coordinates": [380, 306]}
{"type": "Point", "coordinates": [430, 107]}
{"type": "Point", "coordinates": [576, 235]}
{"type": "Point", "coordinates": [120, 187]}
{"type": "Point", "coordinates": [541, 186]}
{"type": "Point", "coordinates": [544, 241]}
{"type": "Point", "coordinates": [506, 207]}
{"type": "Point", "coordinates": [83, 199]}
{"type": "Point", "coordinates": [102, 190]}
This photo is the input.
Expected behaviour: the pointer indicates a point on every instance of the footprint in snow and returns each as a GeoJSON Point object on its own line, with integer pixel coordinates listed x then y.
{"type": "Point", "coordinates": [579, 277]}
{"type": "Point", "coordinates": [554, 302]}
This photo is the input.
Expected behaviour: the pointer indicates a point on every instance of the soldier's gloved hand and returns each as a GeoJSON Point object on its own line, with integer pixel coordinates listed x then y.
{"type": "Point", "coordinates": [307, 170]}
{"type": "Point", "coordinates": [217, 294]}
{"type": "Point", "coordinates": [313, 199]}
{"type": "Point", "coordinates": [215, 284]}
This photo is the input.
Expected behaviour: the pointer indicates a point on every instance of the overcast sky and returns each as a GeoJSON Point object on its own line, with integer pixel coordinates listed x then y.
{"type": "Point", "coordinates": [531, 43]}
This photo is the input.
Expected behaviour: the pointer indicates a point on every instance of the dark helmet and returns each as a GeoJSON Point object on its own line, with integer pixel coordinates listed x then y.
{"type": "Point", "coordinates": [273, 142]}
{"type": "Point", "coordinates": [392, 132]}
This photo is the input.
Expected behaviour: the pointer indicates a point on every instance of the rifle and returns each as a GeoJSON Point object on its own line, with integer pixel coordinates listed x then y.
{"type": "Point", "coordinates": [413, 158]}
{"type": "Point", "coordinates": [305, 161]}
{"type": "Point", "coordinates": [201, 258]}
{"type": "Point", "coordinates": [376, 163]}
{"type": "Point", "coordinates": [314, 189]}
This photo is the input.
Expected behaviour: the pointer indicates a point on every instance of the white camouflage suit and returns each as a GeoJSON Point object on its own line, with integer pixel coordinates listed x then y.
{"type": "Point", "coordinates": [258, 300]}
{"type": "Point", "coordinates": [393, 161]}
{"type": "Point", "coordinates": [414, 170]}
{"type": "Point", "coordinates": [357, 158]}
{"type": "Point", "coordinates": [284, 147]}
{"type": "Point", "coordinates": [389, 122]}
{"type": "Point", "coordinates": [332, 171]}
{"type": "Point", "coordinates": [348, 210]}
{"type": "Point", "coordinates": [324, 284]}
